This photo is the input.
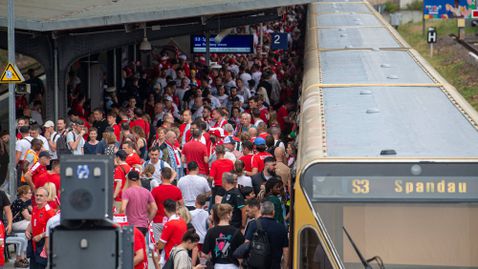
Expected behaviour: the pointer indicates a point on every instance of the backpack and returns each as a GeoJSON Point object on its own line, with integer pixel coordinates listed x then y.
{"type": "Point", "coordinates": [146, 183]}
{"type": "Point", "coordinates": [259, 255]}
{"type": "Point", "coordinates": [273, 148]}
{"type": "Point", "coordinates": [62, 147]}
{"type": "Point", "coordinates": [170, 263]}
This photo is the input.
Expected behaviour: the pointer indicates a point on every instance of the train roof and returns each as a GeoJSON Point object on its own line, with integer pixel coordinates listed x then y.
{"type": "Point", "coordinates": [365, 90]}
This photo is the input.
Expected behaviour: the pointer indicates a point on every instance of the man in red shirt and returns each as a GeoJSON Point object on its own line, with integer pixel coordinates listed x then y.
{"type": "Point", "coordinates": [121, 170]}
{"type": "Point", "coordinates": [185, 126]}
{"type": "Point", "coordinates": [139, 121]}
{"type": "Point", "coordinates": [111, 118]}
{"type": "Point", "coordinates": [132, 158]}
{"type": "Point", "coordinates": [255, 102]}
{"type": "Point", "coordinates": [247, 151]}
{"type": "Point", "coordinates": [41, 213]}
{"type": "Point", "coordinates": [162, 193]}
{"type": "Point", "coordinates": [218, 117]}
{"type": "Point", "coordinates": [140, 260]}
{"type": "Point", "coordinates": [219, 167]}
{"type": "Point", "coordinates": [52, 176]}
{"type": "Point", "coordinates": [283, 115]}
{"type": "Point", "coordinates": [196, 151]}
{"type": "Point", "coordinates": [174, 229]}
{"type": "Point", "coordinates": [261, 154]}
{"type": "Point", "coordinates": [36, 171]}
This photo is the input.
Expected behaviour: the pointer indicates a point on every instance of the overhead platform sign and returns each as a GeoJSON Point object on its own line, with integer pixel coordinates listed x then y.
{"type": "Point", "coordinates": [444, 9]}
{"type": "Point", "coordinates": [279, 41]}
{"type": "Point", "coordinates": [11, 74]}
{"type": "Point", "coordinates": [229, 44]}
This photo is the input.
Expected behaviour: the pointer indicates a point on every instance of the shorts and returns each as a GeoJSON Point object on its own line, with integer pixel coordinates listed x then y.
{"type": "Point", "coordinates": [157, 230]}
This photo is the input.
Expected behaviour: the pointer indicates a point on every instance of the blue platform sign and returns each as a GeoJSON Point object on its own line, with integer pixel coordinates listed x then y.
{"type": "Point", "coordinates": [444, 9]}
{"type": "Point", "coordinates": [279, 41]}
{"type": "Point", "coordinates": [229, 44]}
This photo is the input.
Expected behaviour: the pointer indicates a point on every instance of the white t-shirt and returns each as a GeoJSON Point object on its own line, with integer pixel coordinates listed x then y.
{"type": "Point", "coordinates": [245, 77]}
{"type": "Point", "coordinates": [54, 138]}
{"type": "Point", "coordinates": [245, 181]}
{"type": "Point", "coordinates": [199, 219]}
{"type": "Point", "coordinates": [22, 145]}
{"type": "Point", "coordinates": [51, 224]}
{"type": "Point", "coordinates": [230, 156]}
{"type": "Point", "coordinates": [223, 100]}
{"type": "Point", "coordinates": [71, 138]}
{"type": "Point", "coordinates": [157, 172]}
{"type": "Point", "coordinates": [191, 186]}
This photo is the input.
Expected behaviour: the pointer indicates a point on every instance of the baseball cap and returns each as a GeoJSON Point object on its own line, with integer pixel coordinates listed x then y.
{"type": "Point", "coordinates": [168, 98]}
{"type": "Point", "coordinates": [259, 141]}
{"type": "Point", "coordinates": [44, 154]}
{"type": "Point", "coordinates": [133, 175]}
{"type": "Point", "coordinates": [49, 124]}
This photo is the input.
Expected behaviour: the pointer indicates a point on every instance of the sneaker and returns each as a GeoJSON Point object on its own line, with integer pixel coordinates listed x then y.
{"type": "Point", "coordinates": [21, 264]}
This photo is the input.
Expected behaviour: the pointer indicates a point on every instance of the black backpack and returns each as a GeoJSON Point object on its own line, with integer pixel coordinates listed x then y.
{"type": "Point", "coordinates": [62, 147]}
{"type": "Point", "coordinates": [170, 263]}
{"type": "Point", "coordinates": [260, 252]}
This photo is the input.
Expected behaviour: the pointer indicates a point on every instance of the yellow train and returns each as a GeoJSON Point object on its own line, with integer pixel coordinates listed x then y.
{"type": "Point", "coordinates": [387, 173]}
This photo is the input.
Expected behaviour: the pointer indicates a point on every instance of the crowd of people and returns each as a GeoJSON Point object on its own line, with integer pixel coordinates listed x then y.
{"type": "Point", "coordinates": [204, 155]}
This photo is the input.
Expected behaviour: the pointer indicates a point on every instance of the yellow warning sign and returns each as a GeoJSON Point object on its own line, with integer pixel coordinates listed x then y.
{"type": "Point", "coordinates": [11, 74]}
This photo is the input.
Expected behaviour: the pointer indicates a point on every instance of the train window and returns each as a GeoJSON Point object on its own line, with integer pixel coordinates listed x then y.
{"type": "Point", "coordinates": [312, 254]}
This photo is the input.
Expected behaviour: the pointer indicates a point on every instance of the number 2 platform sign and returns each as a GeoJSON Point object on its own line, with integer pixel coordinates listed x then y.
{"type": "Point", "coordinates": [279, 41]}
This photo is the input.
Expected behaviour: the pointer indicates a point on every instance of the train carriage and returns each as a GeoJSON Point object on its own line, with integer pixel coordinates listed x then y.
{"type": "Point", "coordinates": [388, 151]}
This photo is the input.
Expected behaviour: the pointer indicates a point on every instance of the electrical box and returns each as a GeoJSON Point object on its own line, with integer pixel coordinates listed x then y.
{"type": "Point", "coordinates": [86, 188]}
{"type": "Point", "coordinates": [93, 248]}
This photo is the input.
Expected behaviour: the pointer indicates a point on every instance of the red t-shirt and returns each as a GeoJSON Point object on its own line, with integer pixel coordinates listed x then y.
{"type": "Point", "coordinates": [182, 128]}
{"type": "Point", "coordinates": [247, 159]}
{"type": "Point", "coordinates": [264, 114]}
{"type": "Point", "coordinates": [141, 123]}
{"type": "Point", "coordinates": [140, 243]}
{"type": "Point", "coordinates": [133, 159]}
{"type": "Point", "coordinates": [220, 123]}
{"type": "Point", "coordinates": [195, 151]}
{"type": "Point", "coordinates": [47, 177]}
{"type": "Point", "coordinates": [258, 160]}
{"type": "Point", "coordinates": [218, 168]}
{"type": "Point", "coordinates": [161, 194]}
{"type": "Point", "coordinates": [40, 217]}
{"type": "Point", "coordinates": [172, 234]}
{"type": "Point", "coordinates": [120, 178]}
{"type": "Point", "coordinates": [117, 130]}
{"type": "Point", "coordinates": [281, 114]}
{"type": "Point", "coordinates": [37, 171]}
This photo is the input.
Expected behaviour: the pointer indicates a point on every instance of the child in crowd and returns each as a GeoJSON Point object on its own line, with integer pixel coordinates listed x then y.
{"type": "Point", "coordinates": [147, 180]}
{"type": "Point", "coordinates": [200, 218]}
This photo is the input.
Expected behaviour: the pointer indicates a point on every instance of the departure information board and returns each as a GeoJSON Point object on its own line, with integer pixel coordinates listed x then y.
{"type": "Point", "coordinates": [229, 44]}
{"type": "Point", "coordinates": [392, 182]}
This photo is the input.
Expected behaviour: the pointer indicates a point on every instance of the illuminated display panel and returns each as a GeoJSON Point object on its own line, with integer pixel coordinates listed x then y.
{"type": "Point", "coordinates": [392, 182]}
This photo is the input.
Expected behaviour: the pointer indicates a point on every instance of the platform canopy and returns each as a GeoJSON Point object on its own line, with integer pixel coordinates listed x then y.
{"type": "Point", "coordinates": [55, 15]}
